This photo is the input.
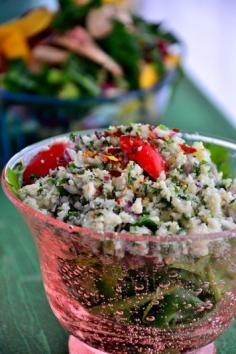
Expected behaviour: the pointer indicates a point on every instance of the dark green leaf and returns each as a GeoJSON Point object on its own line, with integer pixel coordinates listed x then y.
{"type": "Point", "coordinates": [72, 15]}
{"type": "Point", "coordinates": [123, 47]}
{"type": "Point", "coordinates": [149, 223]}
{"type": "Point", "coordinates": [173, 308]}
{"type": "Point", "coordinates": [83, 74]}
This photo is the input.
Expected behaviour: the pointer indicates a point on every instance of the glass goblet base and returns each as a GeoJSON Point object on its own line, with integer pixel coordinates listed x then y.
{"type": "Point", "coordinates": [78, 347]}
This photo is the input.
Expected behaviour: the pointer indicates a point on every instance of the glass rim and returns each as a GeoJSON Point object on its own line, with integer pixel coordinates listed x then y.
{"type": "Point", "coordinates": [54, 101]}
{"type": "Point", "coordinates": [92, 233]}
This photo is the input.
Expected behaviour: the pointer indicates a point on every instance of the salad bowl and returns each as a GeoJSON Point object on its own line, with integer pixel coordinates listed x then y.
{"type": "Point", "coordinates": [124, 293]}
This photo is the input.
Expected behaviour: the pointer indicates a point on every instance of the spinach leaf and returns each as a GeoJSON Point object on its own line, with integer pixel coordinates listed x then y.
{"type": "Point", "coordinates": [109, 280]}
{"type": "Point", "coordinates": [123, 47]}
{"type": "Point", "coordinates": [173, 308]}
{"type": "Point", "coordinates": [154, 30]}
{"type": "Point", "coordinates": [71, 14]}
{"type": "Point", "coordinates": [126, 305]}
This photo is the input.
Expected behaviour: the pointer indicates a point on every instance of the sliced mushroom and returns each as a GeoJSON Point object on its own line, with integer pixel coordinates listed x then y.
{"type": "Point", "coordinates": [99, 21]}
{"type": "Point", "coordinates": [79, 41]}
{"type": "Point", "coordinates": [124, 16]}
{"type": "Point", "coordinates": [50, 55]}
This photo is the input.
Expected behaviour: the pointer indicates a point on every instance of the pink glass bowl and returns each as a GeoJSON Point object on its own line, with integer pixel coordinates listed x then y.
{"type": "Point", "coordinates": [123, 293]}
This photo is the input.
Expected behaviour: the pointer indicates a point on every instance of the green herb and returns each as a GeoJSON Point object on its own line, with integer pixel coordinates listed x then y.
{"type": "Point", "coordinates": [72, 166]}
{"type": "Point", "coordinates": [62, 191]}
{"type": "Point", "coordinates": [169, 141]}
{"type": "Point", "coordinates": [163, 127]}
{"type": "Point", "coordinates": [73, 136]}
{"type": "Point", "coordinates": [72, 214]}
{"type": "Point", "coordinates": [80, 171]}
{"type": "Point", "coordinates": [33, 177]}
{"type": "Point", "coordinates": [149, 223]}
{"type": "Point", "coordinates": [105, 143]}
{"type": "Point", "coordinates": [130, 178]}
{"type": "Point", "coordinates": [196, 168]}
{"type": "Point", "coordinates": [177, 189]}
{"type": "Point", "coordinates": [51, 181]}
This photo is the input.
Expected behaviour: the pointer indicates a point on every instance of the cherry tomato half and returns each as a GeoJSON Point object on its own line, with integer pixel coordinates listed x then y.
{"type": "Point", "coordinates": [140, 151]}
{"type": "Point", "coordinates": [45, 160]}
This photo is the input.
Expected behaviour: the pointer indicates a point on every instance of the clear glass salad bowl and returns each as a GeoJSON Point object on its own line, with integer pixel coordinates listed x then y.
{"type": "Point", "coordinates": [27, 118]}
{"type": "Point", "coordinates": [123, 293]}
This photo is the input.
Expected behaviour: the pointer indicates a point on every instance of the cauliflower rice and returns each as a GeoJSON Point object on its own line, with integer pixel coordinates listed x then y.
{"type": "Point", "coordinates": [101, 188]}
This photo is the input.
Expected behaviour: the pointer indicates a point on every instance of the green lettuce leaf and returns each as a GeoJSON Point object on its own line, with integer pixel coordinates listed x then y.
{"type": "Point", "coordinates": [221, 157]}
{"type": "Point", "coordinates": [13, 177]}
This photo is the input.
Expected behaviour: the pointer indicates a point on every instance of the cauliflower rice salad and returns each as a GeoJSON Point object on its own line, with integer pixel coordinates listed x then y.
{"type": "Point", "coordinates": [139, 179]}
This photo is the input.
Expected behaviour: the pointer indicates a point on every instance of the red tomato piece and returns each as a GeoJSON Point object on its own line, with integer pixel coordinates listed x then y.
{"type": "Point", "coordinates": [188, 149]}
{"type": "Point", "coordinates": [144, 154]}
{"type": "Point", "coordinates": [45, 160]}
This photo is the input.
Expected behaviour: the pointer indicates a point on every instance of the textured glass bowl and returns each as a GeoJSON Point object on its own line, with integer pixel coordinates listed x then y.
{"type": "Point", "coordinates": [27, 118]}
{"type": "Point", "coordinates": [123, 293]}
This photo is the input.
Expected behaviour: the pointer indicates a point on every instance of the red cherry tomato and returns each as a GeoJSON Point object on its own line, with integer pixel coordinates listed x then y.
{"type": "Point", "coordinates": [45, 160]}
{"type": "Point", "coordinates": [188, 149]}
{"type": "Point", "coordinates": [144, 154]}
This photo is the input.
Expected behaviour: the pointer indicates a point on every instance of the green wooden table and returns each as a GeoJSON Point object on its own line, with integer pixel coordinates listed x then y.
{"type": "Point", "coordinates": [27, 325]}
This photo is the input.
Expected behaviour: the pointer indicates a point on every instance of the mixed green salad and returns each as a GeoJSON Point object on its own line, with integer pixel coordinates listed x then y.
{"type": "Point", "coordinates": [87, 48]}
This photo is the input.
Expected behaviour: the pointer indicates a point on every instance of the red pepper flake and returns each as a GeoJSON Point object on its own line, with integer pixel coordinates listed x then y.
{"type": "Point", "coordinates": [188, 149]}
{"type": "Point", "coordinates": [152, 135]}
{"type": "Point", "coordinates": [118, 133]}
{"type": "Point", "coordinates": [114, 150]}
{"type": "Point", "coordinates": [144, 154]}
{"type": "Point", "coordinates": [45, 160]}
{"type": "Point", "coordinates": [115, 173]}
{"type": "Point", "coordinates": [119, 200]}
{"type": "Point", "coordinates": [173, 132]}
{"type": "Point", "coordinates": [176, 130]}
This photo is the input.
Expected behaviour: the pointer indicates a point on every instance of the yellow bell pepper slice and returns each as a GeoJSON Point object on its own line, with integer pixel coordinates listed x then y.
{"type": "Point", "coordinates": [113, 2]}
{"type": "Point", "coordinates": [31, 24]}
{"type": "Point", "coordinates": [15, 46]}
{"type": "Point", "coordinates": [148, 76]}
{"type": "Point", "coordinates": [172, 60]}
